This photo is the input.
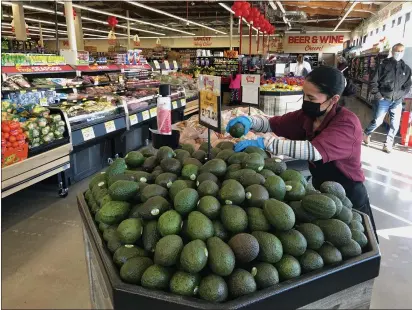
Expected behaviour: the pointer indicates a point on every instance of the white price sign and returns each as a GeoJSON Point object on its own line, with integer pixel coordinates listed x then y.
{"type": "Point", "coordinates": [133, 119]}
{"type": "Point", "coordinates": [174, 105]}
{"type": "Point", "coordinates": [167, 66]}
{"type": "Point", "coordinates": [156, 64]}
{"type": "Point", "coordinates": [145, 115]}
{"type": "Point", "coordinates": [110, 126]}
{"type": "Point", "coordinates": [183, 102]}
{"type": "Point", "coordinates": [88, 133]}
{"type": "Point", "coordinates": [153, 112]}
{"type": "Point", "coordinates": [175, 66]}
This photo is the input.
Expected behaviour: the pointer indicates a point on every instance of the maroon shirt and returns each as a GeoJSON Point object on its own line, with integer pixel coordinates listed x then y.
{"type": "Point", "coordinates": [338, 138]}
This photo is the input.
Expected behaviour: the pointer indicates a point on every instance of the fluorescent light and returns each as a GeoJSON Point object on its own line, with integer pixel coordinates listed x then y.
{"type": "Point", "coordinates": [280, 7]}
{"type": "Point", "coordinates": [106, 32]}
{"type": "Point", "coordinates": [95, 35]}
{"type": "Point", "coordinates": [346, 14]}
{"type": "Point", "coordinates": [126, 18]}
{"type": "Point", "coordinates": [171, 15]}
{"type": "Point", "coordinates": [272, 5]}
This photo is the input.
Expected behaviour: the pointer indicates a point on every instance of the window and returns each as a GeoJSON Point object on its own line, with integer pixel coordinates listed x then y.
{"type": "Point", "coordinates": [399, 20]}
{"type": "Point", "coordinates": [384, 28]}
{"type": "Point", "coordinates": [377, 30]}
{"type": "Point", "coordinates": [371, 34]}
{"type": "Point", "coordinates": [393, 23]}
{"type": "Point", "coordinates": [364, 38]}
{"type": "Point", "coordinates": [407, 17]}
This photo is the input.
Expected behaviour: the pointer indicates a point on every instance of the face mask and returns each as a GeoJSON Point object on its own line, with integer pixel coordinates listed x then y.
{"type": "Point", "coordinates": [398, 55]}
{"type": "Point", "coordinates": [312, 109]}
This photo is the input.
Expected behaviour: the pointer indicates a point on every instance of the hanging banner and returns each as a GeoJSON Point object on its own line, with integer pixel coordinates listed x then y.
{"type": "Point", "coordinates": [317, 42]}
{"type": "Point", "coordinates": [209, 101]}
{"type": "Point", "coordinates": [250, 88]}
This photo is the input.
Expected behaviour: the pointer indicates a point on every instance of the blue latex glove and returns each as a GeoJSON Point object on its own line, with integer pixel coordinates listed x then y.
{"type": "Point", "coordinates": [240, 146]}
{"type": "Point", "coordinates": [244, 120]}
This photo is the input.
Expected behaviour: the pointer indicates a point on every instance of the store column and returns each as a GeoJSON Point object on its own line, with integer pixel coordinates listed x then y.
{"type": "Point", "coordinates": [19, 22]}
{"type": "Point", "coordinates": [78, 28]}
{"type": "Point", "coordinates": [71, 33]}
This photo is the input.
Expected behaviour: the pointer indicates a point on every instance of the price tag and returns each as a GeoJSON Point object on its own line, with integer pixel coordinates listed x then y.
{"type": "Point", "coordinates": [110, 126]}
{"type": "Point", "coordinates": [167, 66]}
{"type": "Point", "coordinates": [22, 92]}
{"type": "Point", "coordinates": [156, 63]}
{"type": "Point", "coordinates": [183, 102]}
{"type": "Point", "coordinates": [88, 133]}
{"type": "Point", "coordinates": [64, 87]}
{"type": "Point", "coordinates": [175, 66]}
{"type": "Point", "coordinates": [153, 112]}
{"type": "Point", "coordinates": [43, 102]}
{"type": "Point", "coordinates": [133, 119]}
{"type": "Point", "coordinates": [174, 105]}
{"type": "Point", "coordinates": [145, 115]}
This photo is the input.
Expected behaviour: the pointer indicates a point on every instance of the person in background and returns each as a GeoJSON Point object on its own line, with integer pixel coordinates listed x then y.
{"type": "Point", "coordinates": [303, 68]}
{"type": "Point", "coordinates": [390, 83]}
{"type": "Point", "coordinates": [234, 86]}
{"type": "Point", "coordinates": [350, 88]}
{"type": "Point", "coordinates": [270, 67]}
{"type": "Point", "coordinates": [327, 135]}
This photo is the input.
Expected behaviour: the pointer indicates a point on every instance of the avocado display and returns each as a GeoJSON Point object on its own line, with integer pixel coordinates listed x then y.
{"type": "Point", "coordinates": [219, 228]}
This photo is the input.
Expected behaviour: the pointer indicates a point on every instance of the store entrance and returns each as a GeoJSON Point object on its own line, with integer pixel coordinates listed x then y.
{"type": "Point", "coordinates": [328, 59]}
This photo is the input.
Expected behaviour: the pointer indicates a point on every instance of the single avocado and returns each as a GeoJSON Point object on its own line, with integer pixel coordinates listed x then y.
{"type": "Point", "coordinates": [97, 178]}
{"type": "Point", "coordinates": [166, 179]}
{"type": "Point", "coordinates": [150, 163]}
{"type": "Point", "coordinates": [333, 188]}
{"type": "Point", "coordinates": [357, 217]}
{"type": "Point", "coordinates": [256, 195]}
{"type": "Point", "coordinates": [245, 247]}
{"type": "Point", "coordinates": [176, 187]}
{"type": "Point", "coordinates": [140, 176]}
{"type": "Point", "coordinates": [113, 212]}
{"type": "Point", "coordinates": [120, 177]}
{"type": "Point", "coordinates": [182, 155]}
{"type": "Point", "coordinates": [241, 283]}
{"type": "Point", "coordinates": [313, 235]}
{"type": "Point", "coordinates": [295, 191]}
{"type": "Point", "coordinates": [109, 232]}
{"type": "Point", "coordinates": [206, 176]}
{"type": "Point", "coordinates": [130, 230]}
{"type": "Point", "coordinates": [234, 218]}
{"type": "Point", "coordinates": [220, 230]}
{"type": "Point", "coordinates": [266, 173]}
{"type": "Point", "coordinates": [171, 165]}
{"type": "Point", "coordinates": [359, 237]}
{"type": "Point", "coordinates": [133, 269]}
{"type": "Point", "coordinates": [254, 161]}
{"type": "Point", "coordinates": [216, 166]}
{"type": "Point", "coordinates": [310, 261]}
{"type": "Point", "coordinates": [200, 156]}
{"type": "Point", "coordinates": [209, 206]}
{"type": "Point", "coordinates": [279, 214]}
{"type": "Point", "coordinates": [356, 225]}
{"type": "Point", "coordinates": [214, 152]}
{"type": "Point", "coordinates": [232, 193]}
{"type": "Point", "coordinates": [293, 175]}
{"type": "Point", "coordinates": [351, 249]}
{"type": "Point", "coordinates": [221, 257]}
{"type": "Point", "coordinates": [156, 277]}
{"type": "Point", "coordinates": [188, 147]}
{"type": "Point", "coordinates": [153, 208]}
{"type": "Point", "coordinates": [276, 187]}
{"type": "Point", "coordinates": [226, 145]}
{"type": "Point", "coordinates": [185, 284]}
{"type": "Point", "coordinates": [338, 203]}
{"type": "Point", "coordinates": [208, 188]}
{"type": "Point", "coordinates": [204, 146]}
{"type": "Point", "coordinates": [330, 254]}
{"type": "Point", "coordinates": [270, 247]}
{"type": "Point", "coordinates": [345, 215]}
{"type": "Point", "coordinates": [113, 244]}
{"type": "Point", "coordinates": [148, 151]}
{"type": "Point", "coordinates": [301, 214]}
{"type": "Point", "coordinates": [165, 152]}
{"type": "Point", "coordinates": [167, 251]}
{"type": "Point", "coordinates": [255, 149]}
{"type": "Point", "coordinates": [192, 161]}
{"type": "Point", "coordinates": [134, 159]}
{"type": "Point", "coordinates": [169, 223]}
{"type": "Point", "coordinates": [199, 226]}
{"type": "Point", "coordinates": [125, 252]}
{"type": "Point", "coordinates": [123, 190]}
{"type": "Point", "coordinates": [347, 203]}
{"type": "Point", "coordinates": [186, 200]}
{"type": "Point", "coordinates": [276, 165]}
{"type": "Point", "coordinates": [153, 190]}
{"type": "Point", "coordinates": [190, 172]}
{"type": "Point", "coordinates": [288, 267]}
{"type": "Point", "coordinates": [225, 154]}
{"type": "Point", "coordinates": [150, 236]}
{"type": "Point", "coordinates": [237, 158]}
{"type": "Point", "coordinates": [234, 167]}
{"type": "Point", "coordinates": [336, 232]}
{"type": "Point", "coordinates": [257, 220]}
{"type": "Point", "coordinates": [194, 256]}
{"type": "Point", "coordinates": [265, 275]}
{"type": "Point", "coordinates": [293, 242]}
{"type": "Point", "coordinates": [118, 166]}
{"type": "Point", "coordinates": [237, 130]}
{"type": "Point", "coordinates": [213, 288]}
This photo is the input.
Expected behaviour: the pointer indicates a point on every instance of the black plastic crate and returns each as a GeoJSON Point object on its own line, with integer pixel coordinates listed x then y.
{"type": "Point", "coordinates": [290, 294]}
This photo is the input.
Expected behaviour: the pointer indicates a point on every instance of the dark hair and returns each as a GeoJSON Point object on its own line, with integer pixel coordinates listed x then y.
{"type": "Point", "coordinates": [329, 80]}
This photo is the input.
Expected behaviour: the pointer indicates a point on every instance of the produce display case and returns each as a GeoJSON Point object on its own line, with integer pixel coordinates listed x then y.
{"type": "Point", "coordinates": [347, 284]}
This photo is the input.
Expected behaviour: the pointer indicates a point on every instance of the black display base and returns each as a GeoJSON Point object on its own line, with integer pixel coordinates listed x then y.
{"type": "Point", "coordinates": [291, 294]}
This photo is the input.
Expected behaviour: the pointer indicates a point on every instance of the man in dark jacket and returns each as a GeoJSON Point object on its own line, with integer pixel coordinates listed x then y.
{"type": "Point", "coordinates": [390, 83]}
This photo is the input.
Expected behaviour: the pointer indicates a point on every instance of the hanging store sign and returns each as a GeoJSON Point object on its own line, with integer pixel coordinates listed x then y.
{"type": "Point", "coordinates": [317, 42]}
{"type": "Point", "coordinates": [209, 101]}
{"type": "Point", "coordinates": [202, 41]}
{"type": "Point", "coordinates": [250, 88]}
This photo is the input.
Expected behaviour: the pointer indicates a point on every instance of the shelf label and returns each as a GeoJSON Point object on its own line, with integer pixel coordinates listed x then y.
{"type": "Point", "coordinates": [145, 115]}
{"type": "Point", "coordinates": [88, 133]}
{"type": "Point", "coordinates": [133, 119]}
{"type": "Point", "coordinates": [110, 126]}
{"type": "Point", "coordinates": [174, 105]}
{"type": "Point", "coordinates": [175, 66]}
{"type": "Point", "coordinates": [43, 102]}
{"type": "Point", "coordinates": [153, 112]}
{"type": "Point", "coordinates": [156, 63]}
{"type": "Point", "coordinates": [167, 66]}
{"type": "Point", "coordinates": [183, 102]}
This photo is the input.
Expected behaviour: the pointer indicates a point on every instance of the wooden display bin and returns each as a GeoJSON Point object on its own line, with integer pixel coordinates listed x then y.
{"type": "Point", "coordinates": [347, 285]}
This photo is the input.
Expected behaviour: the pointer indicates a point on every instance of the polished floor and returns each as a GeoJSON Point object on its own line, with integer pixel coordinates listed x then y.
{"type": "Point", "coordinates": [43, 260]}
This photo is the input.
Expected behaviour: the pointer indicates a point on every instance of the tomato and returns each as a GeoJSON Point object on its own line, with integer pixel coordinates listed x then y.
{"type": "Point", "coordinates": [6, 135]}
{"type": "Point", "coordinates": [20, 130]}
{"type": "Point", "coordinates": [20, 137]}
{"type": "Point", "coordinates": [12, 139]}
{"type": "Point", "coordinates": [8, 144]}
{"type": "Point", "coordinates": [3, 141]}
{"type": "Point", "coordinates": [14, 132]}
{"type": "Point", "coordinates": [5, 128]}
{"type": "Point", "coordinates": [14, 125]}
{"type": "Point", "coordinates": [21, 142]}
{"type": "Point", "coordinates": [15, 144]}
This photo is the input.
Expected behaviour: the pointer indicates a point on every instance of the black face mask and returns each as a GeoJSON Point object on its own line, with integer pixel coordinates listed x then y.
{"type": "Point", "coordinates": [312, 109]}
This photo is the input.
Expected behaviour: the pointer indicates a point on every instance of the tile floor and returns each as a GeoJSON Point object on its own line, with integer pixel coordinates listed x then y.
{"type": "Point", "coordinates": [43, 260]}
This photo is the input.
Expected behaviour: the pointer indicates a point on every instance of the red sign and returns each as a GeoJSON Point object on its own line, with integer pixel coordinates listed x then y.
{"type": "Point", "coordinates": [136, 43]}
{"type": "Point", "coordinates": [36, 69]}
{"type": "Point", "coordinates": [134, 67]}
{"type": "Point", "coordinates": [98, 68]}
{"type": "Point", "coordinates": [202, 41]}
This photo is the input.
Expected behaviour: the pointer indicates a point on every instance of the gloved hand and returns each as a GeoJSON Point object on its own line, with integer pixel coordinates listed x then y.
{"type": "Point", "coordinates": [240, 146]}
{"type": "Point", "coordinates": [244, 120]}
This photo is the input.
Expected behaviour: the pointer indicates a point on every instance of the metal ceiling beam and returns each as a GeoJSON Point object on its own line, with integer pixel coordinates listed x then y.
{"type": "Point", "coordinates": [324, 11]}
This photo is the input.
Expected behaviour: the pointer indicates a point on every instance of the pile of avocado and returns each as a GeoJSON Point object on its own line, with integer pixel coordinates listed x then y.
{"type": "Point", "coordinates": [219, 228]}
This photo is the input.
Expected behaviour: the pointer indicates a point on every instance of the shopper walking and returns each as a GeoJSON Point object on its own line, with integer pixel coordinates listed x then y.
{"type": "Point", "coordinates": [390, 83]}
{"type": "Point", "coordinates": [327, 135]}
{"type": "Point", "coordinates": [234, 86]}
{"type": "Point", "coordinates": [303, 67]}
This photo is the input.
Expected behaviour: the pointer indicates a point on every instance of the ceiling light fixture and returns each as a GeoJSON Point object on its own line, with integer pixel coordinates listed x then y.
{"type": "Point", "coordinates": [173, 16]}
{"type": "Point", "coordinates": [346, 14]}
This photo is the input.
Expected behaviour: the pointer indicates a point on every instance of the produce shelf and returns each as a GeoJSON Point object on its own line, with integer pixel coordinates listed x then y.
{"type": "Point", "coordinates": [309, 288]}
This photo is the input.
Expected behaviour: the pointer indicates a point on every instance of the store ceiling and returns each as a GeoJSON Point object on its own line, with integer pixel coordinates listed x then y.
{"type": "Point", "coordinates": [208, 17]}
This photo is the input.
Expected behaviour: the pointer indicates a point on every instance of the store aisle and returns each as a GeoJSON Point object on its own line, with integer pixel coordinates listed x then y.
{"type": "Point", "coordinates": [43, 258]}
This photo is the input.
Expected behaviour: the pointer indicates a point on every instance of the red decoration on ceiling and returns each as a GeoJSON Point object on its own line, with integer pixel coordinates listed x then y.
{"type": "Point", "coordinates": [112, 21]}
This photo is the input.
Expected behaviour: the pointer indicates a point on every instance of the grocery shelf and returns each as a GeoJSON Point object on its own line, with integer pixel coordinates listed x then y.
{"type": "Point", "coordinates": [41, 69]}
